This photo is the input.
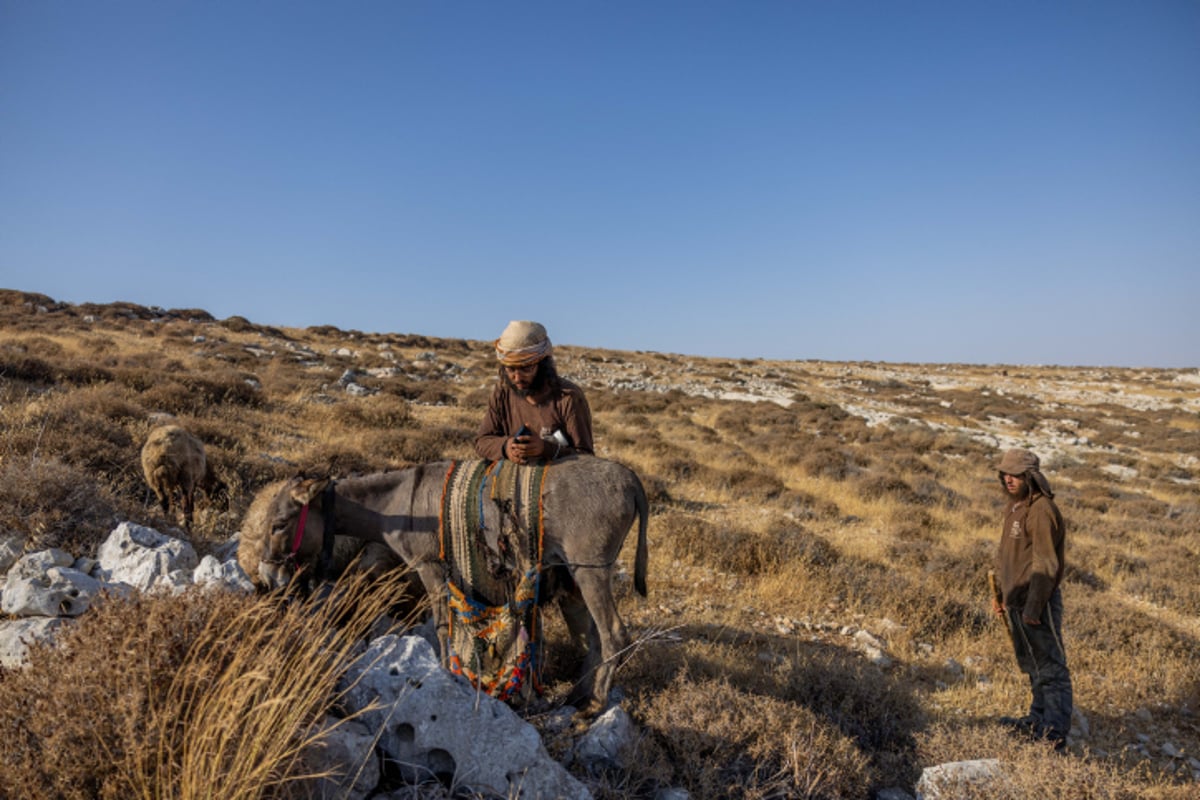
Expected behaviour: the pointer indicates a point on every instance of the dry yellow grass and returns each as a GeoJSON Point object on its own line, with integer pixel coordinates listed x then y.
{"type": "Point", "coordinates": [852, 496]}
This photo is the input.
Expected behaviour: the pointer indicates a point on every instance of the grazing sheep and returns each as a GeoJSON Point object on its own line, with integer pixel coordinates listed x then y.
{"type": "Point", "coordinates": [174, 465]}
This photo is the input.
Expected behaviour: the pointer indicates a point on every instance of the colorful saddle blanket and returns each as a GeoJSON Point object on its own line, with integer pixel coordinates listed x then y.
{"type": "Point", "coordinates": [491, 541]}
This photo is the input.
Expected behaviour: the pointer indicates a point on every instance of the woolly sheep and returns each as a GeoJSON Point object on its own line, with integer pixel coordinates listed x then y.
{"type": "Point", "coordinates": [174, 464]}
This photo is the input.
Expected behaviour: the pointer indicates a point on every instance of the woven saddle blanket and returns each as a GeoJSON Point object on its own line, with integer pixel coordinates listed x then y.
{"type": "Point", "coordinates": [491, 542]}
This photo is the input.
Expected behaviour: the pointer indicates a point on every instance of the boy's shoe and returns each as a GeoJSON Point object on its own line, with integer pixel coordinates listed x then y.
{"type": "Point", "coordinates": [1027, 725]}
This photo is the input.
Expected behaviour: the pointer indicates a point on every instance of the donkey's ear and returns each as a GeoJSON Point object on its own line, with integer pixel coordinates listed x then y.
{"type": "Point", "coordinates": [307, 490]}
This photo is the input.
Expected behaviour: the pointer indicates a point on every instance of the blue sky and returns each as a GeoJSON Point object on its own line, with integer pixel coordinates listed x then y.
{"type": "Point", "coordinates": [1008, 182]}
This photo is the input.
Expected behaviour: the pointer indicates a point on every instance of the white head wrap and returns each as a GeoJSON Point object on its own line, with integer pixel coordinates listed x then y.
{"type": "Point", "coordinates": [523, 343]}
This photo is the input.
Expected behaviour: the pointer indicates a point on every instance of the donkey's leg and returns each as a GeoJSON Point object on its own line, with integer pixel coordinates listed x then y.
{"type": "Point", "coordinates": [560, 586]}
{"type": "Point", "coordinates": [596, 588]}
{"type": "Point", "coordinates": [586, 637]}
{"type": "Point", "coordinates": [579, 620]}
{"type": "Point", "coordinates": [433, 577]}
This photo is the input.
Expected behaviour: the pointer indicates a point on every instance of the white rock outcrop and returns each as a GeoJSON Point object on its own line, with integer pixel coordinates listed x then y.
{"type": "Point", "coordinates": [432, 723]}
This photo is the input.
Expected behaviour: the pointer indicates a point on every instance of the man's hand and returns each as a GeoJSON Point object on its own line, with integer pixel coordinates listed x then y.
{"type": "Point", "coordinates": [525, 448]}
{"type": "Point", "coordinates": [1029, 621]}
{"type": "Point", "coordinates": [997, 607]}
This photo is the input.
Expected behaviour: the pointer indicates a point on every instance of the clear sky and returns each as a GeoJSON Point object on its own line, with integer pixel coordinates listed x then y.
{"type": "Point", "coordinates": [962, 181]}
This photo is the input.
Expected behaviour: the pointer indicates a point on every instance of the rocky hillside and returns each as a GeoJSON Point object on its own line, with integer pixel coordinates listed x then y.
{"type": "Point", "coordinates": [820, 531]}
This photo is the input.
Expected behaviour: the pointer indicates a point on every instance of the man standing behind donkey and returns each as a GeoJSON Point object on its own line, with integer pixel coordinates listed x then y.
{"type": "Point", "coordinates": [1029, 566]}
{"type": "Point", "coordinates": [533, 412]}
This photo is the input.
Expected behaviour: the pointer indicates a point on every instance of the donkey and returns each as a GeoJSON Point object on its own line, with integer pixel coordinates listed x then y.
{"type": "Point", "coordinates": [588, 507]}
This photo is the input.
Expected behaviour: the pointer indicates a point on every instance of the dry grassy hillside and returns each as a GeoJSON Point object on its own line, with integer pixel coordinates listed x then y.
{"type": "Point", "coordinates": [817, 623]}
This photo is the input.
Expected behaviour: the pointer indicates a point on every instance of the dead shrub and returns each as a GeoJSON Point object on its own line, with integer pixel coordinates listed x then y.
{"type": "Point", "coordinates": [435, 394]}
{"type": "Point", "coordinates": [657, 488]}
{"type": "Point", "coordinates": [90, 428]}
{"type": "Point", "coordinates": [907, 464]}
{"type": "Point", "coordinates": [79, 707]}
{"type": "Point", "coordinates": [774, 417]}
{"type": "Point", "coordinates": [727, 743]}
{"type": "Point", "coordinates": [752, 484]}
{"type": "Point", "coordinates": [195, 394]}
{"type": "Point", "coordinates": [1118, 564]}
{"type": "Point", "coordinates": [1029, 772]}
{"type": "Point", "coordinates": [876, 711]}
{"type": "Point", "coordinates": [736, 421]}
{"type": "Point", "coordinates": [877, 487]}
{"type": "Point", "coordinates": [912, 436]}
{"type": "Point", "coordinates": [424, 445]}
{"type": "Point", "coordinates": [686, 469]}
{"type": "Point", "coordinates": [828, 460]}
{"type": "Point", "coordinates": [799, 546]}
{"type": "Point", "coordinates": [1141, 507]}
{"type": "Point", "coordinates": [748, 553]}
{"type": "Point", "coordinates": [29, 369]}
{"type": "Point", "coordinates": [16, 299]}
{"type": "Point", "coordinates": [378, 411]}
{"type": "Point", "coordinates": [237, 324]}
{"type": "Point", "coordinates": [944, 599]}
{"type": "Point", "coordinates": [39, 347]}
{"type": "Point", "coordinates": [1091, 498]}
{"type": "Point", "coordinates": [331, 459]}
{"type": "Point", "coordinates": [627, 402]}
{"type": "Point", "coordinates": [420, 391]}
{"type": "Point", "coordinates": [56, 505]}
{"type": "Point", "coordinates": [685, 534]}
{"type": "Point", "coordinates": [138, 699]}
{"type": "Point", "coordinates": [476, 400]}
{"type": "Point", "coordinates": [806, 506]}
{"type": "Point", "coordinates": [41, 372]}
{"type": "Point", "coordinates": [818, 413]}
{"type": "Point", "coordinates": [929, 492]}
{"type": "Point", "coordinates": [789, 449]}
{"type": "Point", "coordinates": [914, 545]}
{"type": "Point", "coordinates": [909, 553]}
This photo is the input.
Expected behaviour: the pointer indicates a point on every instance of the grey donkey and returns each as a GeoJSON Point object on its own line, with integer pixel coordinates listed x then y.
{"type": "Point", "coordinates": [589, 505]}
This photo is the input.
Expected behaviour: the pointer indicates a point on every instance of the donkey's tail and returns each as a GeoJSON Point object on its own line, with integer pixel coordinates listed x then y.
{"type": "Point", "coordinates": [643, 556]}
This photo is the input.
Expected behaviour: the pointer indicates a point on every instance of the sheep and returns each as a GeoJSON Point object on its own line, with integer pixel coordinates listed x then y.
{"type": "Point", "coordinates": [174, 464]}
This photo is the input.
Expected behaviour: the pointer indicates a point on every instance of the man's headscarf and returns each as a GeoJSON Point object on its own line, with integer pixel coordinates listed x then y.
{"type": "Point", "coordinates": [1026, 464]}
{"type": "Point", "coordinates": [522, 344]}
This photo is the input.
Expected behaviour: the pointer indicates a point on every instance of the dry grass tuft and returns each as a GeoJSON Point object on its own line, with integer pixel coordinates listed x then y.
{"type": "Point", "coordinates": [56, 504]}
{"type": "Point", "coordinates": [1030, 771]}
{"type": "Point", "coordinates": [736, 744]}
{"type": "Point", "coordinates": [197, 696]}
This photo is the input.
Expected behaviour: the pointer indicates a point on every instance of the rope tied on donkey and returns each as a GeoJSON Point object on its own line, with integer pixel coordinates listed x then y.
{"type": "Point", "coordinates": [493, 554]}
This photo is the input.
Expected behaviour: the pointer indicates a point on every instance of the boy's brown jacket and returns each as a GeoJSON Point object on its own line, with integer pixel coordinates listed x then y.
{"type": "Point", "coordinates": [1030, 559]}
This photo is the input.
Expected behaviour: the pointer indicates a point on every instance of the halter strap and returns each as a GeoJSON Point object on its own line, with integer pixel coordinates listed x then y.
{"type": "Point", "coordinates": [329, 513]}
{"type": "Point", "coordinates": [299, 537]}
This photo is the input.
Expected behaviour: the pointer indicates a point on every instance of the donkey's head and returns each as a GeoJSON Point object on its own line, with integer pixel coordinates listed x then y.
{"type": "Point", "coordinates": [293, 530]}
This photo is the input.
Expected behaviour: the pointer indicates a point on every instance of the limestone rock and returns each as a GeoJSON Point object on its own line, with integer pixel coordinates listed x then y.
{"type": "Point", "coordinates": [16, 636]}
{"type": "Point", "coordinates": [432, 723]}
{"type": "Point", "coordinates": [144, 558]}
